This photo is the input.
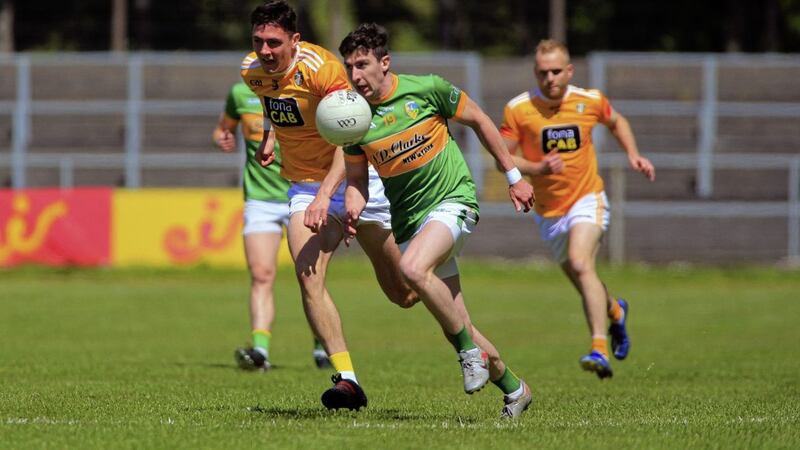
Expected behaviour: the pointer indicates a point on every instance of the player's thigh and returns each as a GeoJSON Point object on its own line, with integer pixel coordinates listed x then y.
{"type": "Point", "coordinates": [379, 245]}
{"type": "Point", "coordinates": [312, 251]}
{"type": "Point", "coordinates": [584, 243]}
{"type": "Point", "coordinates": [430, 247]}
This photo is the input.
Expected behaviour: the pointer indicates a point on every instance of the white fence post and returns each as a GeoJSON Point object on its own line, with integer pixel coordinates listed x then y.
{"type": "Point", "coordinates": [707, 123]}
{"type": "Point", "coordinates": [597, 80]}
{"type": "Point", "coordinates": [616, 232]}
{"type": "Point", "coordinates": [22, 123]}
{"type": "Point", "coordinates": [793, 253]}
{"type": "Point", "coordinates": [133, 123]}
{"type": "Point", "coordinates": [472, 85]}
{"type": "Point", "coordinates": [66, 168]}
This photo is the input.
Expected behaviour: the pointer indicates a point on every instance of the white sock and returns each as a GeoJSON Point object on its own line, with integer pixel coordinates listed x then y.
{"type": "Point", "coordinates": [347, 375]}
{"type": "Point", "coordinates": [518, 393]}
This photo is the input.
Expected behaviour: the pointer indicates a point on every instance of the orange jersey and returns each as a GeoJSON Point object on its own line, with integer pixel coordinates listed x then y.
{"type": "Point", "coordinates": [290, 100]}
{"type": "Point", "coordinates": [539, 128]}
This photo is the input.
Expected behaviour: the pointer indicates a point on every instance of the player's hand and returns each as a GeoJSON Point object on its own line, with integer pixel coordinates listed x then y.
{"type": "Point", "coordinates": [552, 163]}
{"type": "Point", "coordinates": [316, 215]}
{"type": "Point", "coordinates": [521, 194]}
{"type": "Point", "coordinates": [265, 156]}
{"type": "Point", "coordinates": [226, 141]}
{"type": "Point", "coordinates": [351, 225]}
{"type": "Point", "coordinates": [643, 165]}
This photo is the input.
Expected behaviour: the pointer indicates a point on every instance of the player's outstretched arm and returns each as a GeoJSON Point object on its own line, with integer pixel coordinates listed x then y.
{"type": "Point", "coordinates": [224, 134]}
{"type": "Point", "coordinates": [622, 131]}
{"type": "Point", "coordinates": [355, 197]}
{"type": "Point", "coordinates": [266, 150]}
{"type": "Point", "coordinates": [520, 191]}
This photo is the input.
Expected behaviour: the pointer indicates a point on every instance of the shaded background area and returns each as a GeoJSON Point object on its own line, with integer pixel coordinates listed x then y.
{"type": "Point", "coordinates": [508, 27]}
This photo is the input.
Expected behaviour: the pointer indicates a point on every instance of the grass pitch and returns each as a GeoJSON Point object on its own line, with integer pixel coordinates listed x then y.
{"type": "Point", "coordinates": [143, 359]}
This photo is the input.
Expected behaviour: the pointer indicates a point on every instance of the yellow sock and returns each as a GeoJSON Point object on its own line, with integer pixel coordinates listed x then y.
{"type": "Point", "coordinates": [615, 312]}
{"type": "Point", "coordinates": [341, 362]}
{"type": "Point", "coordinates": [600, 344]}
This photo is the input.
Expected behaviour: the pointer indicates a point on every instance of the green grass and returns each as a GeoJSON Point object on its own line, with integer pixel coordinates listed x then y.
{"type": "Point", "coordinates": [143, 359]}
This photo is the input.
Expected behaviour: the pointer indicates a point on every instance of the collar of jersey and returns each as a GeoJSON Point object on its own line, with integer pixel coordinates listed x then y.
{"type": "Point", "coordinates": [537, 93]}
{"type": "Point", "coordinates": [395, 82]}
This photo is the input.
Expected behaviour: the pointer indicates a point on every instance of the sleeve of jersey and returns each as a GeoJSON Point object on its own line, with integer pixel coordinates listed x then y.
{"type": "Point", "coordinates": [230, 106]}
{"type": "Point", "coordinates": [354, 154]}
{"type": "Point", "coordinates": [605, 110]}
{"type": "Point", "coordinates": [449, 100]}
{"type": "Point", "coordinates": [509, 129]}
{"type": "Point", "coordinates": [331, 76]}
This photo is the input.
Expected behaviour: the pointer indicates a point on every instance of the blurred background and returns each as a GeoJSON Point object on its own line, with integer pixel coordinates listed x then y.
{"type": "Point", "coordinates": [124, 94]}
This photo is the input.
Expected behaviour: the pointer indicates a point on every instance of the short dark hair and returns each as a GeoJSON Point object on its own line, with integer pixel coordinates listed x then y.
{"type": "Point", "coordinates": [276, 12]}
{"type": "Point", "coordinates": [369, 36]}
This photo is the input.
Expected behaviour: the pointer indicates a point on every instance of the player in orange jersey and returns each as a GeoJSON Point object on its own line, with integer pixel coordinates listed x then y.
{"type": "Point", "coordinates": [553, 127]}
{"type": "Point", "coordinates": [290, 77]}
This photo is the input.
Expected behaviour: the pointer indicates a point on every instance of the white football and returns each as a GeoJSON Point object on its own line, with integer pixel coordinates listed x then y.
{"type": "Point", "coordinates": [343, 117]}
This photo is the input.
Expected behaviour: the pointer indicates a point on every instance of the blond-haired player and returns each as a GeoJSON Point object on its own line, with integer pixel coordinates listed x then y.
{"type": "Point", "coordinates": [553, 127]}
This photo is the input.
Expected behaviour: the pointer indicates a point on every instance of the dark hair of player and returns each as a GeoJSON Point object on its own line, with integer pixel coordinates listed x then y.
{"type": "Point", "coordinates": [368, 36]}
{"type": "Point", "coordinates": [277, 13]}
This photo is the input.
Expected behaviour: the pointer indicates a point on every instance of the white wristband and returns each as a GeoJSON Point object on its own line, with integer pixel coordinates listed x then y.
{"type": "Point", "coordinates": [513, 175]}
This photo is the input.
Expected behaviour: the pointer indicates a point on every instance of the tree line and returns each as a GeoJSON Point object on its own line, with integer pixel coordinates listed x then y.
{"type": "Point", "coordinates": [493, 28]}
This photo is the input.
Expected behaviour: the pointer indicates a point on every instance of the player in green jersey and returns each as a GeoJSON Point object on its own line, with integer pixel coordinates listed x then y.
{"type": "Point", "coordinates": [266, 212]}
{"type": "Point", "coordinates": [431, 192]}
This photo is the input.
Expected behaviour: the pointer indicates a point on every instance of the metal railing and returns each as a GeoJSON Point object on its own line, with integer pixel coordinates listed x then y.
{"type": "Point", "coordinates": [707, 109]}
{"type": "Point", "coordinates": [136, 106]}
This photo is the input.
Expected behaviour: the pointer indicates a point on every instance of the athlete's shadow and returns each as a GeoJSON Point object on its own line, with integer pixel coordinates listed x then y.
{"type": "Point", "coordinates": [320, 413]}
{"type": "Point", "coordinates": [325, 241]}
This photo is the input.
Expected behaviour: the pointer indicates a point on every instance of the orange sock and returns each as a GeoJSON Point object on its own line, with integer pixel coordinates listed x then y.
{"type": "Point", "coordinates": [600, 344]}
{"type": "Point", "coordinates": [615, 311]}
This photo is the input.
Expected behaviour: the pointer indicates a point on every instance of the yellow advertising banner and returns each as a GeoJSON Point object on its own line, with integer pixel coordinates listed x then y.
{"type": "Point", "coordinates": [168, 227]}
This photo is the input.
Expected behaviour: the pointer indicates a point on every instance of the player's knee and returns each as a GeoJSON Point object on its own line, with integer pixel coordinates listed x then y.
{"type": "Point", "coordinates": [404, 298]}
{"type": "Point", "coordinates": [262, 275]}
{"type": "Point", "coordinates": [413, 271]}
{"type": "Point", "coordinates": [581, 265]}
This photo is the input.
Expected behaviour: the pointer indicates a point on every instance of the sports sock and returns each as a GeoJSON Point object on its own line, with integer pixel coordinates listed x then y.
{"type": "Point", "coordinates": [600, 344]}
{"type": "Point", "coordinates": [508, 382]}
{"type": "Point", "coordinates": [615, 312]}
{"type": "Point", "coordinates": [318, 345]}
{"type": "Point", "coordinates": [462, 340]}
{"type": "Point", "coordinates": [261, 340]}
{"type": "Point", "coordinates": [514, 396]}
{"type": "Point", "coordinates": [341, 363]}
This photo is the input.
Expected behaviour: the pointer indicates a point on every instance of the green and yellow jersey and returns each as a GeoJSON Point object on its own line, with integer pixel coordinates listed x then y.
{"type": "Point", "coordinates": [410, 145]}
{"type": "Point", "coordinates": [260, 183]}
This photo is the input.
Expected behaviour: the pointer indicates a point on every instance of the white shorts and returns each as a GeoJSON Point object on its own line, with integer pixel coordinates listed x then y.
{"type": "Point", "coordinates": [376, 212]}
{"type": "Point", "coordinates": [591, 208]}
{"type": "Point", "coordinates": [461, 220]}
{"type": "Point", "coordinates": [264, 217]}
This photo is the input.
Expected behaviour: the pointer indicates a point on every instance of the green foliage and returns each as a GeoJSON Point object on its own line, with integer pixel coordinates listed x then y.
{"type": "Point", "coordinates": [143, 359]}
{"type": "Point", "coordinates": [500, 28]}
